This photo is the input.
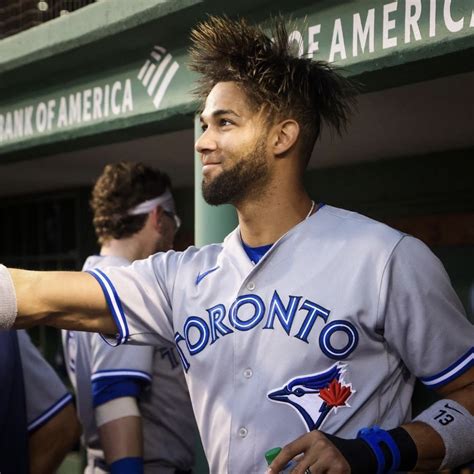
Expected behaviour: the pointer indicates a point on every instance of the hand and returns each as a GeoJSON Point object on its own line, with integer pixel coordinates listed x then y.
{"type": "Point", "coordinates": [318, 456]}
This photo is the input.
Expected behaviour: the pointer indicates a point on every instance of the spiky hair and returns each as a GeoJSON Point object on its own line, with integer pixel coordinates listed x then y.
{"type": "Point", "coordinates": [271, 75]}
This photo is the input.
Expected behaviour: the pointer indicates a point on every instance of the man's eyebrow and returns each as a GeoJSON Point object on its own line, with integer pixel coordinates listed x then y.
{"type": "Point", "coordinates": [219, 112]}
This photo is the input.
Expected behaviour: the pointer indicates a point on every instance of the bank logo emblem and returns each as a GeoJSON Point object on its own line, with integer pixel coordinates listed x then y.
{"type": "Point", "coordinates": [157, 73]}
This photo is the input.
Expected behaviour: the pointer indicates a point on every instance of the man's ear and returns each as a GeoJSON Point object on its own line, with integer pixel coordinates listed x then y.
{"type": "Point", "coordinates": [156, 216]}
{"type": "Point", "coordinates": [285, 135]}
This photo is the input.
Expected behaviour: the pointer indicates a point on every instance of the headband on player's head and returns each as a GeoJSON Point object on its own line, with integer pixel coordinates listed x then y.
{"type": "Point", "coordinates": [166, 201]}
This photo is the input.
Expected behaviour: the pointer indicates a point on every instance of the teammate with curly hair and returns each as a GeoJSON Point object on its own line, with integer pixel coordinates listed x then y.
{"type": "Point", "coordinates": [132, 400]}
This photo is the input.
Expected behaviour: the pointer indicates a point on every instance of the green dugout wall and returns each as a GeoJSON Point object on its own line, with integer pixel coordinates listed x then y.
{"type": "Point", "coordinates": [117, 69]}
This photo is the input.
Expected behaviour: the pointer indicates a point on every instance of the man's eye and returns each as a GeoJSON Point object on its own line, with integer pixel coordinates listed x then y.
{"type": "Point", "coordinates": [224, 122]}
{"type": "Point", "coordinates": [203, 127]}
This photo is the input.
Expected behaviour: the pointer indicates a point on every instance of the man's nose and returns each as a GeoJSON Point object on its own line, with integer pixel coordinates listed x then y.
{"type": "Point", "coordinates": [205, 143]}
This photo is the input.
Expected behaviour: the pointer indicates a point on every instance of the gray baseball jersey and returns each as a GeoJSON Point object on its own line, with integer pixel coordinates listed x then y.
{"type": "Point", "coordinates": [328, 330]}
{"type": "Point", "coordinates": [45, 394]}
{"type": "Point", "coordinates": [168, 421]}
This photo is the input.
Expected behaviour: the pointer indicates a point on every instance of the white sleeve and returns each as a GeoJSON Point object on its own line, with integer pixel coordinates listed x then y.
{"type": "Point", "coordinates": [124, 361]}
{"type": "Point", "coordinates": [421, 316]}
{"type": "Point", "coordinates": [138, 298]}
{"type": "Point", "coordinates": [45, 394]}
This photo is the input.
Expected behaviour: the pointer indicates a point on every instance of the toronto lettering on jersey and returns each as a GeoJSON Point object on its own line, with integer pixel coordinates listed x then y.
{"type": "Point", "coordinates": [296, 316]}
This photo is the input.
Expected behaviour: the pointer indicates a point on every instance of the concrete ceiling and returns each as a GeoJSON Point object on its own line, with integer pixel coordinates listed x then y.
{"type": "Point", "coordinates": [415, 119]}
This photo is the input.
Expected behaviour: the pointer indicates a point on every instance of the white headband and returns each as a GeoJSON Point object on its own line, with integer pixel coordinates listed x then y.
{"type": "Point", "coordinates": [165, 200]}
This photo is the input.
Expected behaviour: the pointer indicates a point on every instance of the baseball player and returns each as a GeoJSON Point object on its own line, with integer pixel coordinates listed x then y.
{"type": "Point", "coordinates": [52, 425]}
{"type": "Point", "coordinates": [13, 435]}
{"type": "Point", "coordinates": [132, 400]}
{"type": "Point", "coordinates": [307, 326]}
{"type": "Point", "coordinates": [39, 425]}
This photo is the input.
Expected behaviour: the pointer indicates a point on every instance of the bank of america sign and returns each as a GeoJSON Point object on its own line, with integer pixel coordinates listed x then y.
{"type": "Point", "coordinates": [157, 73]}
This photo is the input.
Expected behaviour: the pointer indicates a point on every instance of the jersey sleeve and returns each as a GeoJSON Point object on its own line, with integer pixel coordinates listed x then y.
{"type": "Point", "coordinates": [422, 317]}
{"type": "Point", "coordinates": [45, 394]}
{"type": "Point", "coordinates": [118, 371]}
{"type": "Point", "coordinates": [138, 297]}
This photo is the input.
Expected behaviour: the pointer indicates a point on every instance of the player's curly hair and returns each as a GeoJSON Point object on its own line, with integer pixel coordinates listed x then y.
{"type": "Point", "coordinates": [120, 187]}
{"type": "Point", "coordinates": [271, 75]}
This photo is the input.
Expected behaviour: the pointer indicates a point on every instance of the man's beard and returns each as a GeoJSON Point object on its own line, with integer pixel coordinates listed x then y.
{"type": "Point", "coordinates": [246, 176]}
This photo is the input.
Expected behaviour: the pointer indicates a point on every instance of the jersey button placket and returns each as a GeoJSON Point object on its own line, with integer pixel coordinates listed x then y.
{"type": "Point", "coordinates": [244, 382]}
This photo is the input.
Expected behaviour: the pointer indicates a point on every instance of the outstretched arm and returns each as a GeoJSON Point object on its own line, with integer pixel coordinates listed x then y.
{"type": "Point", "coordinates": [67, 300]}
{"type": "Point", "coordinates": [325, 453]}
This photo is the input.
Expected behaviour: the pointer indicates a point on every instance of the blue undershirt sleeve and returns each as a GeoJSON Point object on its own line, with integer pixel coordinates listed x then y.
{"type": "Point", "coordinates": [109, 388]}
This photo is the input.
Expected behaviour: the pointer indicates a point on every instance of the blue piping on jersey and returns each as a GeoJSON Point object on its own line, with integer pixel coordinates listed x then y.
{"type": "Point", "coordinates": [463, 364]}
{"type": "Point", "coordinates": [121, 372]}
{"type": "Point", "coordinates": [119, 304]}
{"type": "Point", "coordinates": [111, 297]}
{"type": "Point", "coordinates": [49, 413]}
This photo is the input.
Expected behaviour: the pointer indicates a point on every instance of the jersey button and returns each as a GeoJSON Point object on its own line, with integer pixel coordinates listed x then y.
{"type": "Point", "coordinates": [243, 432]}
{"type": "Point", "coordinates": [248, 373]}
{"type": "Point", "coordinates": [251, 286]}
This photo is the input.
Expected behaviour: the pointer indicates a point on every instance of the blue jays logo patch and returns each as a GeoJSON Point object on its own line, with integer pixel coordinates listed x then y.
{"type": "Point", "coordinates": [314, 396]}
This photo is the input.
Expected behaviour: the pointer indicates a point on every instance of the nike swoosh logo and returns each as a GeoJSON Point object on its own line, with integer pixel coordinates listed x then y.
{"type": "Point", "coordinates": [204, 274]}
